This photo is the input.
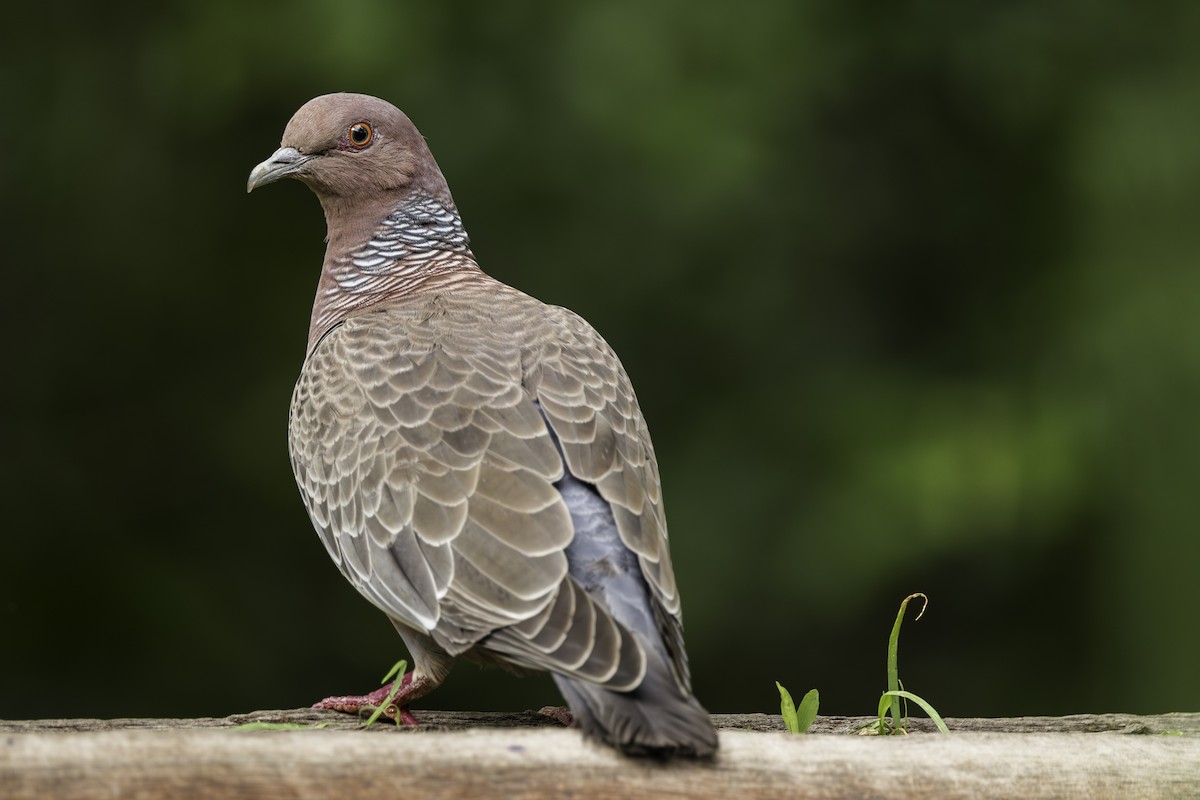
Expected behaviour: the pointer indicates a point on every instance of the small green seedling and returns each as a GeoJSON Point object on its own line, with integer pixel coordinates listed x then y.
{"type": "Point", "coordinates": [892, 699]}
{"type": "Point", "coordinates": [397, 671]}
{"type": "Point", "coordinates": [798, 719]}
{"type": "Point", "coordinates": [279, 726]}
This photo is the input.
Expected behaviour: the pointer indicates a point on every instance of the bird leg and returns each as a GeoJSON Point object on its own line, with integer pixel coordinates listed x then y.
{"type": "Point", "coordinates": [411, 688]}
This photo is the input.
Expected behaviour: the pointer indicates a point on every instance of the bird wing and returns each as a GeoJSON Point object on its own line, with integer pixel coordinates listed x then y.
{"type": "Point", "coordinates": [589, 402]}
{"type": "Point", "coordinates": [429, 472]}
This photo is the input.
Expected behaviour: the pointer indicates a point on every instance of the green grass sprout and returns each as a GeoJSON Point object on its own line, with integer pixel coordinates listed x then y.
{"type": "Point", "coordinates": [397, 671]}
{"type": "Point", "coordinates": [894, 698]}
{"type": "Point", "coordinates": [798, 719]}
{"type": "Point", "coordinates": [893, 673]}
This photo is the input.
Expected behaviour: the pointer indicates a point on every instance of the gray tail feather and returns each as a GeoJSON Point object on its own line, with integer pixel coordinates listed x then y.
{"type": "Point", "coordinates": [655, 719]}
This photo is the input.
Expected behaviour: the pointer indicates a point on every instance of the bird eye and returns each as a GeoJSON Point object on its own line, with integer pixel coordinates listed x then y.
{"type": "Point", "coordinates": [360, 134]}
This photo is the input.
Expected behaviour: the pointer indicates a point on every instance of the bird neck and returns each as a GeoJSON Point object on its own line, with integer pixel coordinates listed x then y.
{"type": "Point", "coordinates": [420, 244]}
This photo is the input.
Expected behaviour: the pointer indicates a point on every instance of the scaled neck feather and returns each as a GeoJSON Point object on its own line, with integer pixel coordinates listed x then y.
{"type": "Point", "coordinates": [420, 244]}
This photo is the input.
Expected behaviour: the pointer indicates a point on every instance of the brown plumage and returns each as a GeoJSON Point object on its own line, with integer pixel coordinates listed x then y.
{"type": "Point", "coordinates": [474, 460]}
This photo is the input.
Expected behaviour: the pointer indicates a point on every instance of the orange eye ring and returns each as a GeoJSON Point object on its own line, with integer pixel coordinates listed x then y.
{"type": "Point", "coordinates": [360, 134]}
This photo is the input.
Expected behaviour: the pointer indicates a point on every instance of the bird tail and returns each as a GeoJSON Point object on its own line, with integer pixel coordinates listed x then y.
{"type": "Point", "coordinates": [655, 719]}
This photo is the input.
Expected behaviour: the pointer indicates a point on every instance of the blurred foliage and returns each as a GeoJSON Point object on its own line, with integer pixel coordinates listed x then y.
{"type": "Point", "coordinates": [909, 293]}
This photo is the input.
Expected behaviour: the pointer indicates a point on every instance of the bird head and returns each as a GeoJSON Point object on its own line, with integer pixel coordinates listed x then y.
{"type": "Point", "coordinates": [349, 147]}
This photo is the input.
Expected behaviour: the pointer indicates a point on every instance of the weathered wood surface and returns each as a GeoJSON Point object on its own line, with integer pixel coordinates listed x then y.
{"type": "Point", "coordinates": [455, 755]}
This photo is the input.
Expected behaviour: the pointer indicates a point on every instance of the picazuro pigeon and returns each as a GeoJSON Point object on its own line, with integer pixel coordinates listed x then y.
{"type": "Point", "coordinates": [475, 460]}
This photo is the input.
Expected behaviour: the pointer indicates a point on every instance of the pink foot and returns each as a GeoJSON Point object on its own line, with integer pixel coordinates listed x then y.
{"type": "Point", "coordinates": [366, 703]}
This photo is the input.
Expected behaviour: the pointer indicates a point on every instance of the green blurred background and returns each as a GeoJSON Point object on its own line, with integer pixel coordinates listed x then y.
{"type": "Point", "coordinates": [910, 294]}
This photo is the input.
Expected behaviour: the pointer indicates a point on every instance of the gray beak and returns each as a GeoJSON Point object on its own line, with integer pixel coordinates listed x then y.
{"type": "Point", "coordinates": [283, 162]}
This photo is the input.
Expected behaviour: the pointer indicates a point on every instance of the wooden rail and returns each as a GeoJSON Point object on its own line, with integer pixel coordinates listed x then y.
{"type": "Point", "coordinates": [461, 755]}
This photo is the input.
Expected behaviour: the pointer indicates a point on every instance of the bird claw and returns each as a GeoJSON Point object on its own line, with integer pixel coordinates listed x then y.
{"type": "Point", "coordinates": [361, 704]}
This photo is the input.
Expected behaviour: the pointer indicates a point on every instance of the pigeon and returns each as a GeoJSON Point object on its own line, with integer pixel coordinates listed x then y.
{"type": "Point", "coordinates": [474, 460]}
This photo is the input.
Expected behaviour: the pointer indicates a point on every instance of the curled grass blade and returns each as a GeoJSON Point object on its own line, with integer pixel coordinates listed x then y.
{"type": "Point", "coordinates": [893, 674]}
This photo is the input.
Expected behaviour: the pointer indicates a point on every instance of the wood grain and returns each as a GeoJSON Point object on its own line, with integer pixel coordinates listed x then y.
{"type": "Point", "coordinates": [524, 755]}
